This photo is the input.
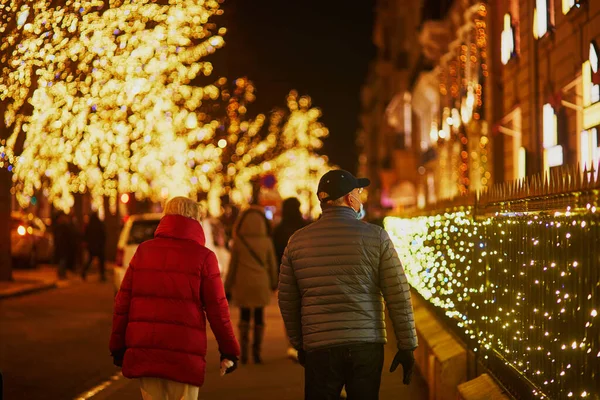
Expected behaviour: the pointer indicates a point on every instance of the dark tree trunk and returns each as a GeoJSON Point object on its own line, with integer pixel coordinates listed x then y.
{"type": "Point", "coordinates": [113, 230]}
{"type": "Point", "coordinates": [78, 213]}
{"type": "Point", "coordinates": [5, 209]}
{"type": "Point", "coordinates": [255, 192]}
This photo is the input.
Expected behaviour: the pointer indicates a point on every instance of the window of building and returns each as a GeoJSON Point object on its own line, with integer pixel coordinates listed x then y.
{"type": "Point", "coordinates": [433, 133]}
{"type": "Point", "coordinates": [567, 5]}
{"type": "Point", "coordinates": [508, 49]}
{"type": "Point", "coordinates": [407, 119]}
{"type": "Point", "coordinates": [543, 17]}
{"type": "Point", "coordinates": [522, 166]}
{"type": "Point", "coordinates": [594, 66]}
{"type": "Point", "coordinates": [431, 194]}
{"type": "Point", "coordinates": [590, 76]}
{"type": "Point", "coordinates": [510, 127]}
{"type": "Point", "coordinates": [553, 152]}
{"type": "Point", "coordinates": [589, 152]}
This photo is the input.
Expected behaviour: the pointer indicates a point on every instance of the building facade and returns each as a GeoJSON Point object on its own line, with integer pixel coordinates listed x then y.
{"type": "Point", "coordinates": [425, 136]}
{"type": "Point", "coordinates": [549, 82]}
{"type": "Point", "coordinates": [467, 93]}
{"type": "Point", "coordinates": [388, 149]}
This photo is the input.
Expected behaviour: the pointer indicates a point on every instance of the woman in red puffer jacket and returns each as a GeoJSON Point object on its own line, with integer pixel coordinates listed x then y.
{"type": "Point", "coordinates": [171, 287]}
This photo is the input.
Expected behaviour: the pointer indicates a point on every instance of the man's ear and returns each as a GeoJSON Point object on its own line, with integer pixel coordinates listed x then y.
{"type": "Point", "coordinates": [348, 200]}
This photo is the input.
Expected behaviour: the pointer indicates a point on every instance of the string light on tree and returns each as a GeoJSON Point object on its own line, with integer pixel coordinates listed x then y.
{"type": "Point", "coordinates": [110, 93]}
{"type": "Point", "coordinates": [289, 151]}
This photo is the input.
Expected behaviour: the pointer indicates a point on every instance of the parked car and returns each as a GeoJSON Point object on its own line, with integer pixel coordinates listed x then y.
{"type": "Point", "coordinates": [31, 240]}
{"type": "Point", "coordinates": [139, 228]}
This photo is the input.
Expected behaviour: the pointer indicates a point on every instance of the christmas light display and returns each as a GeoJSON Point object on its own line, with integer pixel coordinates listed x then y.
{"type": "Point", "coordinates": [523, 286]}
{"type": "Point", "coordinates": [108, 97]}
{"type": "Point", "coordinates": [462, 141]}
{"type": "Point", "coordinates": [112, 100]}
{"type": "Point", "coordinates": [290, 153]}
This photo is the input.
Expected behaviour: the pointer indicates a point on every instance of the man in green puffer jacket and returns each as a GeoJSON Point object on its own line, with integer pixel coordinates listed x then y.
{"type": "Point", "coordinates": [335, 276]}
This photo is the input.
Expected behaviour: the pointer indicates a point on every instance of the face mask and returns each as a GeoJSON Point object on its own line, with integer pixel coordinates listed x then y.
{"type": "Point", "coordinates": [360, 214]}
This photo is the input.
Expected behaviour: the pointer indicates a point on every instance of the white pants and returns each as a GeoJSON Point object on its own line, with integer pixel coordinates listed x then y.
{"type": "Point", "coordinates": [164, 389]}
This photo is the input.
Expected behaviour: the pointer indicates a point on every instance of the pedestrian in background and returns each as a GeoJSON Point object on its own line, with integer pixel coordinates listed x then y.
{"type": "Point", "coordinates": [228, 218]}
{"type": "Point", "coordinates": [335, 276]}
{"type": "Point", "coordinates": [291, 221]}
{"type": "Point", "coordinates": [65, 242]}
{"type": "Point", "coordinates": [252, 276]}
{"type": "Point", "coordinates": [171, 287]}
{"type": "Point", "coordinates": [94, 237]}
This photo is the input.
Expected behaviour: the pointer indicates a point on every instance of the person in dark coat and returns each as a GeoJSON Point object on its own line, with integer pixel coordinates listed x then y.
{"type": "Point", "coordinates": [65, 241]}
{"type": "Point", "coordinates": [95, 240]}
{"type": "Point", "coordinates": [338, 276]}
{"type": "Point", "coordinates": [291, 221]}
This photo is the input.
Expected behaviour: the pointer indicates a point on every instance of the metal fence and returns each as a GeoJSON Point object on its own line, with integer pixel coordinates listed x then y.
{"type": "Point", "coordinates": [517, 271]}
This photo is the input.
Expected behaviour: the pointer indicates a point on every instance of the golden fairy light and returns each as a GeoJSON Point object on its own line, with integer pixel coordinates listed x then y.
{"type": "Point", "coordinates": [520, 285]}
{"type": "Point", "coordinates": [106, 97]}
{"type": "Point", "coordinates": [285, 146]}
{"type": "Point", "coordinates": [111, 96]}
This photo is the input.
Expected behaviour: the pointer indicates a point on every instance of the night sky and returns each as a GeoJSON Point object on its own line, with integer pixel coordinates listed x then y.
{"type": "Point", "coordinates": [321, 48]}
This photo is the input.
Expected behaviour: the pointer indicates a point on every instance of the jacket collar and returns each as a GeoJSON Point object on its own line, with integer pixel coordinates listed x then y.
{"type": "Point", "coordinates": [339, 211]}
{"type": "Point", "coordinates": [180, 227]}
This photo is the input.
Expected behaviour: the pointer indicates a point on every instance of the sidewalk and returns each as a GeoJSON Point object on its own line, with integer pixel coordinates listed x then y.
{"type": "Point", "coordinates": [278, 378]}
{"type": "Point", "coordinates": [27, 281]}
{"type": "Point", "coordinates": [44, 277]}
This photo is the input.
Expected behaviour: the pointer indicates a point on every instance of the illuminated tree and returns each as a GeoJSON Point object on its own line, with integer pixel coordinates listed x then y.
{"type": "Point", "coordinates": [298, 166]}
{"type": "Point", "coordinates": [288, 150]}
{"type": "Point", "coordinates": [123, 119]}
{"type": "Point", "coordinates": [284, 144]}
{"type": "Point", "coordinates": [19, 61]}
{"type": "Point", "coordinates": [107, 96]}
{"type": "Point", "coordinates": [98, 96]}
{"type": "Point", "coordinates": [237, 141]}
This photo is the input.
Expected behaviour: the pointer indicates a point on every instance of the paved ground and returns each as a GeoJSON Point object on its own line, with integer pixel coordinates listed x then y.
{"type": "Point", "coordinates": [29, 280]}
{"type": "Point", "coordinates": [53, 345]}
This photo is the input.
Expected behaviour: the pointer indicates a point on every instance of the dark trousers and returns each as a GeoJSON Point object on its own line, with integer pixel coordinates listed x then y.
{"type": "Point", "coordinates": [100, 258]}
{"type": "Point", "coordinates": [357, 366]}
{"type": "Point", "coordinates": [258, 315]}
{"type": "Point", "coordinates": [66, 262]}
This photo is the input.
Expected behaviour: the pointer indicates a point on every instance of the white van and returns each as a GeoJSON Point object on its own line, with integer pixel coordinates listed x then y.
{"type": "Point", "coordinates": [139, 228]}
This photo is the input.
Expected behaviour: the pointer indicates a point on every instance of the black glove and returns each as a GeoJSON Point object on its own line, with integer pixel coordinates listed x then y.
{"type": "Point", "coordinates": [233, 359]}
{"type": "Point", "coordinates": [407, 359]}
{"type": "Point", "coordinates": [118, 357]}
{"type": "Point", "coordinates": [302, 357]}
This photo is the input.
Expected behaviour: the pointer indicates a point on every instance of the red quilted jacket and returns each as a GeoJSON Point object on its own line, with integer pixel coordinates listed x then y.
{"type": "Point", "coordinates": [171, 287]}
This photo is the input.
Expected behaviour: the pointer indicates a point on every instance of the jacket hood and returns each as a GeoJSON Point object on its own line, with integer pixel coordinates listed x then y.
{"type": "Point", "coordinates": [252, 222]}
{"type": "Point", "coordinates": [180, 227]}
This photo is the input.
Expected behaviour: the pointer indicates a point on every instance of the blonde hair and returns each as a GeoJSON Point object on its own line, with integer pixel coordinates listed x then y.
{"type": "Point", "coordinates": [183, 206]}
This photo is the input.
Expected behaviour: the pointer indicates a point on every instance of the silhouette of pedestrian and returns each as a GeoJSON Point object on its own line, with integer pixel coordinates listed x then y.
{"type": "Point", "coordinates": [94, 237]}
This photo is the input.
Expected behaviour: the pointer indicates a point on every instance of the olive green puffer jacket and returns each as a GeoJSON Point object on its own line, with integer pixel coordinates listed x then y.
{"type": "Point", "coordinates": [335, 275]}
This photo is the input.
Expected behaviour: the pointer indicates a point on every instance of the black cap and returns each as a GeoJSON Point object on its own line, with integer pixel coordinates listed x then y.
{"type": "Point", "coordinates": [337, 183]}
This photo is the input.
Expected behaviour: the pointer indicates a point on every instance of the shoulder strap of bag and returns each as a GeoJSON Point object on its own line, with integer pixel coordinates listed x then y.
{"type": "Point", "coordinates": [252, 252]}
